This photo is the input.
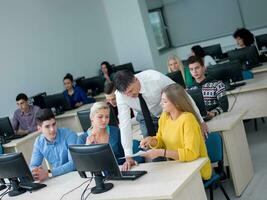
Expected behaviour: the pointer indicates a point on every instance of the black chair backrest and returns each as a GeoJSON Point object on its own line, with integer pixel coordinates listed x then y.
{"type": "Point", "coordinates": [126, 66]}
{"type": "Point", "coordinates": [84, 119]}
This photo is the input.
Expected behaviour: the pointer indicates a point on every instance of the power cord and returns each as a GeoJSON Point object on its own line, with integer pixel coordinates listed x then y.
{"type": "Point", "coordinates": [86, 189]}
{"type": "Point", "coordinates": [235, 99]}
{"type": "Point", "coordinates": [74, 188]}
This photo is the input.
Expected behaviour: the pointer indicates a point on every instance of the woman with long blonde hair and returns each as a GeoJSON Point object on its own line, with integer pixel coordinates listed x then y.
{"type": "Point", "coordinates": [101, 132]}
{"type": "Point", "coordinates": [175, 64]}
{"type": "Point", "coordinates": [179, 135]}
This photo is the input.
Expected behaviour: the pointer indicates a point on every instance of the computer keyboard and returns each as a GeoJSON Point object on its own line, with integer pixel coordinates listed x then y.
{"type": "Point", "coordinates": [16, 137]}
{"type": "Point", "coordinates": [129, 175]}
{"type": "Point", "coordinates": [31, 186]}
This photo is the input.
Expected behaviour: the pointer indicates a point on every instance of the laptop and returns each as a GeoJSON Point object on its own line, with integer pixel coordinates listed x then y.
{"type": "Point", "coordinates": [6, 130]}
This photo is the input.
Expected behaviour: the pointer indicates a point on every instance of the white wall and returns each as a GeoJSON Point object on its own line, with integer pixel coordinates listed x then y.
{"type": "Point", "coordinates": [40, 41]}
{"type": "Point", "coordinates": [128, 33]}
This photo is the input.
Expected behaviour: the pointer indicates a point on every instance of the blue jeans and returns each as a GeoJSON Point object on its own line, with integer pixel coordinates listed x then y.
{"type": "Point", "coordinates": [141, 120]}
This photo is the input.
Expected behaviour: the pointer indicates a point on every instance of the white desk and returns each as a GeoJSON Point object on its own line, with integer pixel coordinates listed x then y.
{"type": "Point", "coordinates": [260, 71]}
{"type": "Point", "coordinates": [70, 119]}
{"type": "Point", "coordinates": [236, 146]}
{"type": "Point", "coordinates": [251, 97]}
{"type": "Point", "coordinates": [24, 145]}
{"type": "Point", "coordinates": [164, 180]}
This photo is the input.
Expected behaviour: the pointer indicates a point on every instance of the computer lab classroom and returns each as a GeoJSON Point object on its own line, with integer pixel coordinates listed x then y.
{"type": "Point", "coordinates": [43, 40]}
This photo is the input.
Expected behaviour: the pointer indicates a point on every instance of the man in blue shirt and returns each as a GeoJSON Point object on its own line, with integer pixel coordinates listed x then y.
{"type": "Point", "coordinates": [53, 145]}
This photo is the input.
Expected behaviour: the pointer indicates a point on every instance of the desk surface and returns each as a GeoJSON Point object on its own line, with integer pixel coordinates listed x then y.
{"type": "Point", "coordinates": [16, 142]}
{"type": "Point", "coordinates": [225, 121]}
{"type": "Point", "coordinates": [251, 85]}
{"type": "Point", "coordinates": [73, 112]}
{"type": "Point", "coordinates": [163, 181]}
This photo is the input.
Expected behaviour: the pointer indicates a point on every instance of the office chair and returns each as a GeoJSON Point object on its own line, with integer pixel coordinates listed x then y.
{"type": "Point", "coordinates": [85, 122]}
{"type": "Point", "coordinates": [215, 151]}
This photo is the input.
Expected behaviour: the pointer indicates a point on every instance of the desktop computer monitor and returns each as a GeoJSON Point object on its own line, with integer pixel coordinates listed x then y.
{"type": "Point", "coordinates": [14, 167]}
{"type": "Point", "coordinates": [247, 56]}
{"type": "Point", "coordinates": [95, 84]}
{"type": "Point", "coordinates": [226, 72]}
{"type": "Point", "coordinates": [261, 41]}
{"type": "Point", "coordinates": [99, 159]}
{"type": "Point", "coordinates": [6, 131]}
{"type": "Point", "coordinates": [177, 77]}
{"type": "Point", "coordinates": [214, 51]}
{"type": "Point", "coordinates": [38, 100]}
{"type": "Point", "coordinates": [197, 96]}
{"type": "Point", "coordinates": [57, 102]}
{"type": "Point", "coordinates": [126, 66]}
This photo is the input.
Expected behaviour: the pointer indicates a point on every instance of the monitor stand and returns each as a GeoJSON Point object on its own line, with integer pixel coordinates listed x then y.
{"type": "Point", "coordinates": [100, 186]}
{"type": "Point", "coordinates": [15, 189]}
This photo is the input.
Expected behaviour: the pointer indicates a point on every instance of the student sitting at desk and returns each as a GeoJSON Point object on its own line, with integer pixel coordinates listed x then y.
{"type": "Point", "coordinates": [243, 37]}
{"type": "Point", "coordinates": [175, 64]}
{"type": "Point", "coordinates": [109, 91]}
{"type": "Point", "coordinates": [101, 132]}
{"type": "Point", "coordinates": [75, 95]}
{"type": "Point", "coordinates": [199, 51]}
{"type": "Point", "coordinates": [24, 119]}
{"type": "Point", "coordinates": [106, 71]}
{"type": "Point", "coordinates": [179, 135]}
{"type": "Point", "coordinates": [52, 145]}
{"type": "Point", "coordinates": [213, 91]}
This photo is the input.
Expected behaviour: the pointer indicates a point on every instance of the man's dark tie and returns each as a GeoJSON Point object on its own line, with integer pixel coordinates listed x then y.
{"type": "Point", "coordinates": [151, 131]}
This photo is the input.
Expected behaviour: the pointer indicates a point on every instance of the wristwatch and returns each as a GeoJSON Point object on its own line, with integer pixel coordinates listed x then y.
{"type": "Point", "coordinates": [49, 173]}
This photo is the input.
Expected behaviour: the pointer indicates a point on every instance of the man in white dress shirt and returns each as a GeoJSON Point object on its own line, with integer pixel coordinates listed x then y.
{"type": "Point", "coordinates": [150, 84]}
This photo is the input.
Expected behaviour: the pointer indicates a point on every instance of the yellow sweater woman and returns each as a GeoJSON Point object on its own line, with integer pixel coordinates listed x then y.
{"type": "Point", "coordinates": [179, 136]}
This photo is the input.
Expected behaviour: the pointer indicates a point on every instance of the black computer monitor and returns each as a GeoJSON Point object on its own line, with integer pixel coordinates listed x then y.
{"type": "Point", "coordinates": [247, 56]}
{"type": "Point", "coordinates": [6, 131]}
{"type": "Point", "coordinates": [214, 50]}
{"type": "Point", "coordinates": [95, 84]}
{"type": "Point", "coordinates": [226, 72]}
{"type": "Point", "coordinates": [126, 66]}
{"type": "Point", "coordinates": [197, 96]}
{"type": "Point", "coordinates": [261, 41]}
{"type": "Point", "coordinates": [98, 159]}
{"type": "Point", "coordinates": [57, 102]}
{"type": "Point", "coordinates": [14, 167]}
{"type": "Point", "coordinates": [177, 77]}
{"type": "Point", "coordinates": [38, 100]}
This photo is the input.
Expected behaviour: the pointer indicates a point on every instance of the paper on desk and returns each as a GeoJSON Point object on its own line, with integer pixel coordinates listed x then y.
{"type": "Point", "coordinates": [139, 153]}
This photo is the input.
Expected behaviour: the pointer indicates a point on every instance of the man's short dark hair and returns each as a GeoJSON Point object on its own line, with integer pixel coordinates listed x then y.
{"type": "Point", "coordinates": [21, 96]}
{"type": "Point", "coordinates": [194, 59]}
{"type": "Point", "coordinates": [44, 115]}
{"type": "Point", "coordinates": [198, 51]}
{"type": "Point", "coordinates": [123, 79]}
{"type": "Point", "coordinates": [109, 87]}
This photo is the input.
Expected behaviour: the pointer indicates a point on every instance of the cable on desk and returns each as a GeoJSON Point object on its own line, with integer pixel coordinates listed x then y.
{"type": "Point", "coordinates": [86, 189]}
{"type": "Point", "coordinates": [235, 99]}
{"type": "Point", "coordinates": [74, 188]}
{"type": "Point", "coordinates": [5, 192]}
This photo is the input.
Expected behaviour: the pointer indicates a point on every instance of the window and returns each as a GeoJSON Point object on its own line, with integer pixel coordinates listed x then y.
{"type": "Point", "coordinates": [159, 29]}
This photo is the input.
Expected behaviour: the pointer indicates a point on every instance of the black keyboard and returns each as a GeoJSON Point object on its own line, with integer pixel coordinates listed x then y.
{"type": "Point", "coordinates": [16, 137]}
{"type": "Point", "coordinates": [31, 186]}
{"type": "Point", "coordinates": [129, 175]}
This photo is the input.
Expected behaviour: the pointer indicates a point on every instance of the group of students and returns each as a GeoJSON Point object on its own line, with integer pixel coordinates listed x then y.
{"type": "Point", "coordinates": [178, 133]}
